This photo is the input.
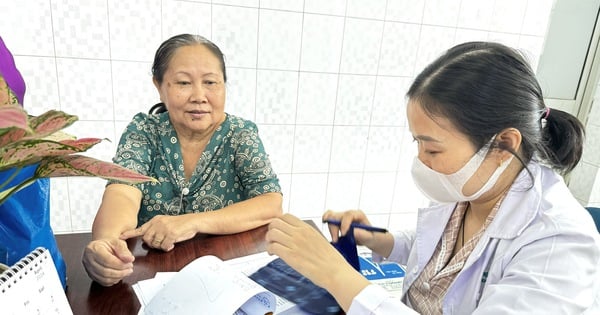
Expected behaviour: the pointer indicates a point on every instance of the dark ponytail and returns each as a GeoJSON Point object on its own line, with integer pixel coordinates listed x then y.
{"type": "Point", "coordinates": [563, 138]}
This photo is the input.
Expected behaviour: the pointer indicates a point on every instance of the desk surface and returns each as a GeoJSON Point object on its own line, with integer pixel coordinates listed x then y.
{"type": "Point", "coordinates": [88, 297]}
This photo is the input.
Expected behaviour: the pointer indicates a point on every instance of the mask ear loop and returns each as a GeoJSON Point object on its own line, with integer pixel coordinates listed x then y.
{"type": "Point", "coordinates": [502, 160]}
{"type": "Point", "coordinates": [500, 153]}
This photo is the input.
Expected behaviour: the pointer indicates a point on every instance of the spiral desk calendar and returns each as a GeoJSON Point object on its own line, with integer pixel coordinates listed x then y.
{"type": "Point", "coordinates": [32, 286]}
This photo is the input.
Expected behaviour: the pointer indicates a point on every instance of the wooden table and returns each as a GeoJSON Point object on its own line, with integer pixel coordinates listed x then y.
{"type": "Point", "coordinates": [88, 297]}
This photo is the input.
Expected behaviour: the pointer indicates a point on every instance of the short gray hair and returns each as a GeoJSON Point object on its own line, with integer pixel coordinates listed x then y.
{"type": "Point", "coordinates": [165, 52]}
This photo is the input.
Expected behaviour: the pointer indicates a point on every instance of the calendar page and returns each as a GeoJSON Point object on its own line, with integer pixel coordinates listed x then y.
{"type": "Point", "coordinates": [32, 286]}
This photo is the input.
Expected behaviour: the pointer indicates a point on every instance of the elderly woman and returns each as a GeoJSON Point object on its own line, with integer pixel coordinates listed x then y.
{"type": "Point", "coordinates": [203, 158]}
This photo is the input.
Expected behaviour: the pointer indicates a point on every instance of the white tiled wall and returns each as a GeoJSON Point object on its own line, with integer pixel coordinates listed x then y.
{"type": "Point", "coordinates": [585, 179]}
{"type": "Point", "coordinates": [324, 80]}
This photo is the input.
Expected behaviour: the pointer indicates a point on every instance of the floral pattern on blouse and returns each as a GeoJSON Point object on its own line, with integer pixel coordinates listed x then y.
{"type": "Point", "coordinates": [233, 167]}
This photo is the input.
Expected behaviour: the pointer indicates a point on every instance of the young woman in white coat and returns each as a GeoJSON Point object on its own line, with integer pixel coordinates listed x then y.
{"type": "Point", "coordinates": [503, 235]}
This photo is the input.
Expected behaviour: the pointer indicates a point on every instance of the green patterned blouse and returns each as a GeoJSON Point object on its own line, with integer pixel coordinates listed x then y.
{"type": "Point", "coordinates": [233, 167]}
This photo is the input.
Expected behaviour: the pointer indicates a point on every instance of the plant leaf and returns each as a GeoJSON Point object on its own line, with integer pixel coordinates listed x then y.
{"type": "Point", "coordinates": [79, 165]}
{"type": "Point", "coordinates": [13, 116]}
{"type": "Point", "coordinates": [50, 122]}
{"type": "Point", "coordinates": [39, 127]}
{"type": "Point", "coordinates": [6, 193]}
{"type": "Point", "coordinates": [60, 136]}
{"type": "Point", "coordinates": [13, 124]}
{"type": "Point", "coordinates": [25, 152]}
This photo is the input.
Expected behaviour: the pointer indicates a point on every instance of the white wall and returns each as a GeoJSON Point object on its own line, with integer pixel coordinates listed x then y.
{"type": "Point", "coordinates": [324, 80]}
{"type": "Point", "coordinates": [585, 178]}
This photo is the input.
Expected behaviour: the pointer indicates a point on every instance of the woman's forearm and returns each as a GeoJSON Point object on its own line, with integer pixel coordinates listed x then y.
{"type": "Point", "coordinates": [117, 212]}
{"type": "Point", "coordinates": [240, 216]}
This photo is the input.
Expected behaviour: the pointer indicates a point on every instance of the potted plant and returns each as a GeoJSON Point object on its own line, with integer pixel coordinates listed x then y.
{"type": "Point", "coordinates": [26, 140]}
{"type": "Point", "coordinates": [32, 148]}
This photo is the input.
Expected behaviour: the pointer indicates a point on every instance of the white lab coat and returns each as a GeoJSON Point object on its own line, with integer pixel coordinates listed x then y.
{"type": "Point", "coordinates": [542, 253]}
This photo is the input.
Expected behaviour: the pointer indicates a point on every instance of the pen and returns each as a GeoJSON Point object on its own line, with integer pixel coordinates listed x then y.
{"type": "Point", "coordinates": [357, 225]}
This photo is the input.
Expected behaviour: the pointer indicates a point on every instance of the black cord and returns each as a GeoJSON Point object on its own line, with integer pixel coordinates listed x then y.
{"type": "Point", "coordinates": [157, 108]}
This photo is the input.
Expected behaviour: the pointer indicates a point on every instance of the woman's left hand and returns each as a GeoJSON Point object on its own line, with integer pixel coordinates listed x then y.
{"type": "Point", "coordinates": [163, 231]}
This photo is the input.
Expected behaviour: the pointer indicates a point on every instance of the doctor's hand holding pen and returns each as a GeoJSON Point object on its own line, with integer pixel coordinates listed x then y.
{"type": "Point", "coordinates": [306, 250]}
{"type": "Point", "coordinates": [364, 233]}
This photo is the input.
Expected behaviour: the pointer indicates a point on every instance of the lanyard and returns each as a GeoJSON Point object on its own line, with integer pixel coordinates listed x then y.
{"type": "Point", "coordinates": [484, 275]}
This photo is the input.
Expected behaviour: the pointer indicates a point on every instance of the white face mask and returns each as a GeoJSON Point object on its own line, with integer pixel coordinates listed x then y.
{"type": "Point", "coordinates": [444, 188]}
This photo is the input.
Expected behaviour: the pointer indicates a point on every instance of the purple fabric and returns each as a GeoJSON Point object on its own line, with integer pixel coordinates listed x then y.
{"type": "Point", "coordinates": [9, 72]}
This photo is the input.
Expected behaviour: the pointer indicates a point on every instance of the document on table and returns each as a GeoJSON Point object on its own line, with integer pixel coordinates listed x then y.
{"type": "Point", "coordinates": [226, 285]}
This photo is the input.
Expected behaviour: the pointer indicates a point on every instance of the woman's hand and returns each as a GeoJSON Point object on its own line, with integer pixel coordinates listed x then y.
{"type": "Point", "coordinates": [107, 261]}
{"type": "Point", "coordinates": [304, 248]}
{"type": "Point", "coordinates": [346, 218]}
{"type": "Point", "coordinates": [162, 231]}
{"type": "Point", "coordinates": [380, 243]}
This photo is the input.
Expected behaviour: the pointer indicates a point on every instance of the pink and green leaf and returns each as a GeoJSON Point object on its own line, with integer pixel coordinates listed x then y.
{"type": "Point", "coordinates": [25, 140]}
{"type": "Point", "coordinates": [12, 135]}
{"type": "Point", "coordinates": [79, 165]}
{"type": "Point", "coordinates": [13, 116]}
{"type": "Point", "coordinates": [50, 122]}
{"type": "Point", "coordinates": [13, 124]}
{"type": "Point", "coordinates": [26, 152]}
{"type": "Point", "coordinates": [13, 127]}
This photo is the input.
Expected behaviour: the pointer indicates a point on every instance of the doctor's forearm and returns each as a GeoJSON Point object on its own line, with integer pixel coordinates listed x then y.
{"type": "Point", "coordinates": [381, 243]}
